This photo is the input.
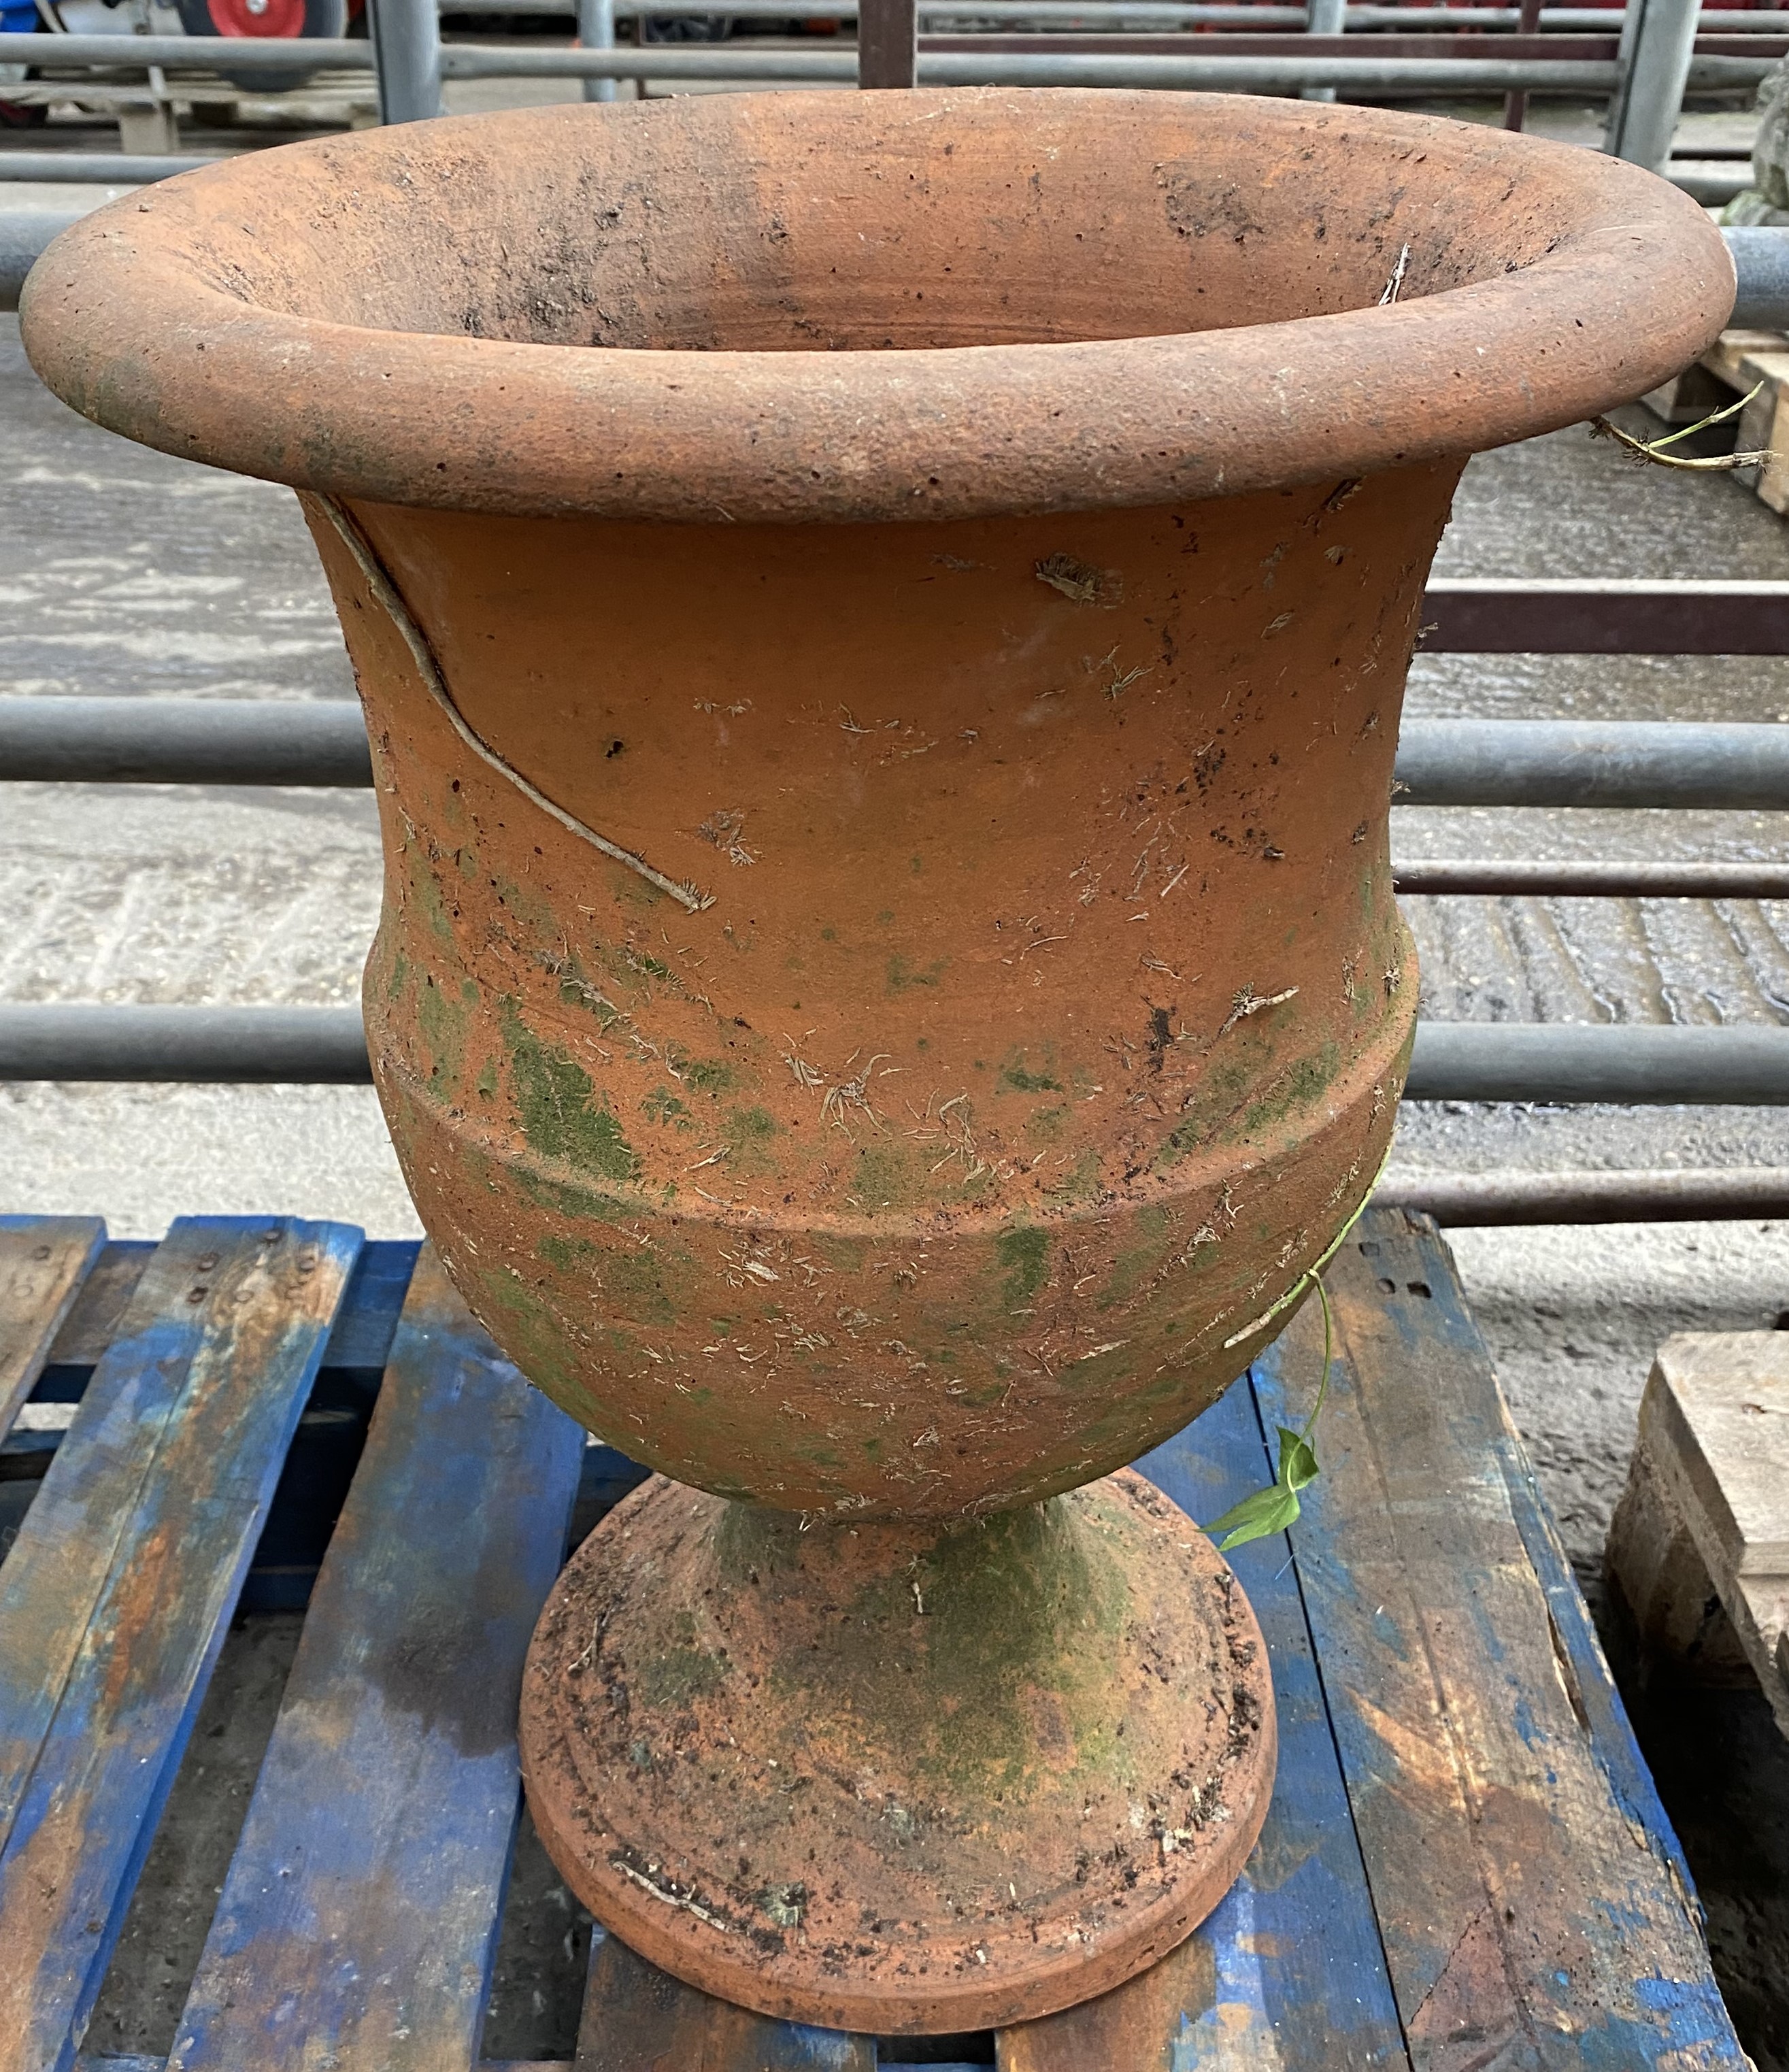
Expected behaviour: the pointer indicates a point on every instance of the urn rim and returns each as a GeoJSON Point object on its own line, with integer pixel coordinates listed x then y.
{"type": "Point", "coordinates": [143, 316]}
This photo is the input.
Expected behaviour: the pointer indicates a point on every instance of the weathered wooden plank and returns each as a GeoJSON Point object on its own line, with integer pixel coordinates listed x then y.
{"type": "Point", "coordinates": [1289, 1972]}
{"type": "Point", "coordinates": [1592, 1688]}
{"type": "Point", "coordinates": [1528, 1917]}
{"type": "Point", "coordinates": [368, 1320]}
{"type": "Point", "coordinates": [98, 1308]}
{"type": "Point", "coordinates": [116, 1594]}
{"type": "Point", "coordinates": [44, 1261]}
{"type": "Point", "coordinates": [357, 1924]}
{"type": "Point", "coordinates": [640, 2019]}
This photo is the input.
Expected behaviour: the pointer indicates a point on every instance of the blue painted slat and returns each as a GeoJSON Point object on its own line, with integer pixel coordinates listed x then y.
{"type": "Point", "coordinates": [637, 2018]}
{"type": "Point", "coordinates": [44, 1261]}
{"type": "Point", "coordinates": [1534, 1908]}
{"type": "Point", "coordinates": [98, 1311]}
{"type": "Point", "coordinates": [367, 1319]}
{"type": "Point", "coordinates": [359, 1921]}
{"type": "Point", "coordinates": [1289, 1972]}
{"type": "Point", "coordinates": [116, 1594]}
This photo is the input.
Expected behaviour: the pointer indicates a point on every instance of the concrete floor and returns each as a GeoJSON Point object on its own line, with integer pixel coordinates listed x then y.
{"type": "Point", "coordinates": [129, 573]}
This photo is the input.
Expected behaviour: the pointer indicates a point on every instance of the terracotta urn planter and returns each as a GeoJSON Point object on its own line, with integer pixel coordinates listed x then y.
{"type": "Point", "coordinates": [881, 620]}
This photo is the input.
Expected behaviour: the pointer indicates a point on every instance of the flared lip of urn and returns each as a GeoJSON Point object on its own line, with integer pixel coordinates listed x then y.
{"type": "Point", "coordinates": [204, 316]}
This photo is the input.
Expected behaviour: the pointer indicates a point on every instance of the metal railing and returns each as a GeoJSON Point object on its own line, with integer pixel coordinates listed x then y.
{"type": "Point", "coordinates": [1548, 1062]}
{"type": "Point", "coordinates": [1625, 763]}
{"type": "Point", "coordinates": [1687, 1195]}
{"type": "Point", "coordinates": [1455, 762]}
{"type": "Point", "coordinates": [1643, 74]}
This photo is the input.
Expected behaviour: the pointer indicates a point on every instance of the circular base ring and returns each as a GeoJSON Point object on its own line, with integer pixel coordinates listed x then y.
{"type": "Point", "coordinates": [887, 1779]}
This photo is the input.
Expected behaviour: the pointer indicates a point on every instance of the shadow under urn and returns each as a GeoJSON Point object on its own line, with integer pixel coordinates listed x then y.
{"type": "Point", "coordinates": [881, 620]}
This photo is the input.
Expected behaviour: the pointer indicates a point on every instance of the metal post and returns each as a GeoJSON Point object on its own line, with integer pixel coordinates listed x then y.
{"type": "Point", "coordinates": [1515, 105]}
{"type": "Point", "coordinates": [1324, 18]}
{"type": "Point", "coordinates": [888, 43]}
{"type": "Point", "coordinates": [406, 56]}
{"type": "Point", "coordinates": [1658, 42]}
{"type": "Point", "coordinates": [596, 31]}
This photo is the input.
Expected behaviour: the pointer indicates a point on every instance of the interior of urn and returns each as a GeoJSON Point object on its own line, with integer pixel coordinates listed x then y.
{"type": "Point", "coordinates": [815, 222]}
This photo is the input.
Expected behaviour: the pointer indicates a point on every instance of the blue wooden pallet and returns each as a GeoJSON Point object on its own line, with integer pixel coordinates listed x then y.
{"type": "Point", "coordinates": [1465, 1865]}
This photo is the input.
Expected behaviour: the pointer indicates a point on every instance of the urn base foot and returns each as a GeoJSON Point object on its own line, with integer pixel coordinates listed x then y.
{"type": "Point", "coordinates": [899, 1779]}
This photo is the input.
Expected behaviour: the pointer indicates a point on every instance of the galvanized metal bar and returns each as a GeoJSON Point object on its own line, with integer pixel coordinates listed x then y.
{"type": "Point", "coordinates": [1762, 261]}
{"type": "Point", "coordinates": [207, 1045]}
{"type": "Point", "coordinates": [1325, 17]}
{"type": "Point", "coordinates": [1724, 21]}
{"type": "Point", "coordinates": [1387, 78]}
{"type": "Point", "coordinates": [1440, 763]}
{"type": "Point", "coordinates": [24, 233]}
{"type": "Point", "coordinates": [1692, 1194]}
{"type": "Point", "coordinates": [246, 55]}
{"type": "Point", "coordinates": [1458, 1061]}
{"type": "Point", "coordinates": [1614, 762]}
{"type": "Point", "coordinates": [183, 740]}
{"type": "Point", "coordinates": [1619, 1064]}
{"type": "Point", "coordinates": [1354, 75]}
{"type": "Point", "coordinates": [414, 75]}
{"type": "Point", "coordinates": [413, 72]}
{"type": "Point", "coordinates": [1659, 38]}
{"type": "Point", "coordinates": [1528, 879]}
{"type": "Point", "coordinates": [670, 61]}
{"type": "Point", "coordinates": [596, 31]}
{"type": "Point", "coordinates": [1429, 45]}
{"type": "Point", "coordinates": [406, 45]}
{"type": "Point", "coordinates": [110, 168]}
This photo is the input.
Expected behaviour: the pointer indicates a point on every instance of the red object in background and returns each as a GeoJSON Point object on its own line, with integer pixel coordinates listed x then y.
{"type": "Point", "coordinates": [256, 18]}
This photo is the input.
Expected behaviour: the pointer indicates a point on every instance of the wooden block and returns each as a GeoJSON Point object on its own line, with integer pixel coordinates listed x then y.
{"type": "Point", "coordinates": [1289, 1972]}
{"type": "Point", "coordinates": [639, 2019]}
{"type": "Point", "coordinates": [1713, 1459]}
{"type": "Point", "coordinates": [1717, 1410]}
{"type": "Point", "coordinates": [1724, 357]}
{"type": "Point", "coordinates": [115, 1595]}
{"type": "Point", "coordinates": [1533, 1902]}
{"type": "Point", "coordinates": [44, 1261]}
{"type": "Point", "coordinates": [358, 1925]}
{"type": "Point", "coordinates": [1659, 1579]}
{"type": "Point", "coordinates": [1764, 424]}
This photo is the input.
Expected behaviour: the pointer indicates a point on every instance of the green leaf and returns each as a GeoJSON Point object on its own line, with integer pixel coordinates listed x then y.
{"type": "Point", "coordinates": [1271, 1511]}
{"type": "Point", "coordinates": [1257, 1517]}
{"type": "Point", "coordinates": [1298, 1462]}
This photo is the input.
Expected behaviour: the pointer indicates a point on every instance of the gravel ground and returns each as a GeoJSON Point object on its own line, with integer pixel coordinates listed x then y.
{"type": "Point", "coordinates": [131, 574]}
